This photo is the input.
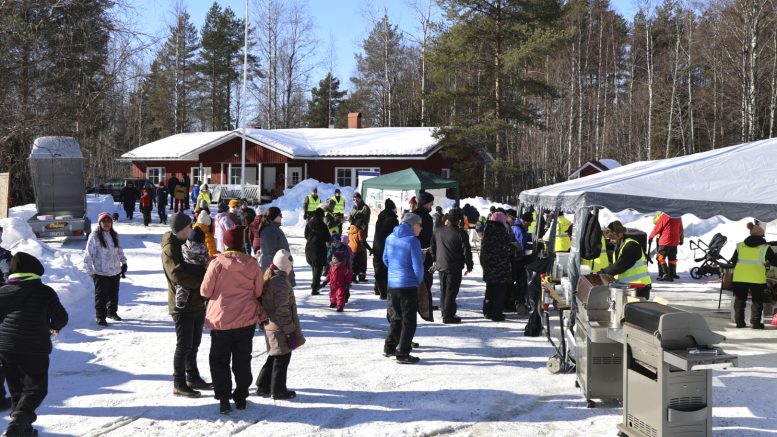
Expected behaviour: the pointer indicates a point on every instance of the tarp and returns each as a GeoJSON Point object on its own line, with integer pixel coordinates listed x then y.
{"type": "Point", "coordinates": [409, 179]}
{"type": "Point", "coordinates": [735, 182]}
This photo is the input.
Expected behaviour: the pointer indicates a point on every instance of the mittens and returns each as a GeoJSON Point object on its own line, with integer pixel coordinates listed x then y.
{"type": "Point", "coordinates": [291, 341]}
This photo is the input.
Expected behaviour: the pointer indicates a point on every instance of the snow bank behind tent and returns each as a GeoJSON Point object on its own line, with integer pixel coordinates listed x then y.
{"type": "Point", "coordinates": [62, 272]}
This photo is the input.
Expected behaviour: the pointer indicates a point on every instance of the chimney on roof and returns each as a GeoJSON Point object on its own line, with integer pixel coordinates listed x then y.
{"type": "Point", "coordinates": [354, 120]}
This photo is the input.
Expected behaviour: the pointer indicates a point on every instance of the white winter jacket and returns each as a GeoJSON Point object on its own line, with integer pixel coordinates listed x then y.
{"type": "Point", "coordinates": [103, 261]}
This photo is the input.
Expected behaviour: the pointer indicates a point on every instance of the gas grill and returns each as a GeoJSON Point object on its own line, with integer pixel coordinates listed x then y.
{"type": "Point", "coordinates": [667, 379]}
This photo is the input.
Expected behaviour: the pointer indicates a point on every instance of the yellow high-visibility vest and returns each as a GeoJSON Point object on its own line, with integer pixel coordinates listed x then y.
{"type": "Point", "coordinates": [313, 203]}
{"type": "Point", "coordinates": [563, 239]}
{"type": "Point", "coordinates": [339, 205]}
{"type": "Point", "coordinates": [751, 264]}
{"type": "Point", "coordinates": [638, 273]}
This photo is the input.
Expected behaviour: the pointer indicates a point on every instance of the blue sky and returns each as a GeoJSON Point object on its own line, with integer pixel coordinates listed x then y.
{"type": "Point", "coordinates": [344, 22]}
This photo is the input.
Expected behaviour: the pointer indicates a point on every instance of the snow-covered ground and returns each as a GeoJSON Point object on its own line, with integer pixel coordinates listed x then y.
{"type": "Point", "coordinates": [475, 379]}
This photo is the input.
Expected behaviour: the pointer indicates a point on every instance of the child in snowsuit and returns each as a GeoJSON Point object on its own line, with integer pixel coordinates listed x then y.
{"type": "Point", "coordinates": [357, 241]}
{"type": "Point", "coordinates": [146, 205]}
{"type": "Point", "coordinates": [195, 257]}
{"type": "Point", "coordinates": [338, 282]}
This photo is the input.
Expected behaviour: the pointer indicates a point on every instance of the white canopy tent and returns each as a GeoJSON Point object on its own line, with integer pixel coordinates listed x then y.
{"type": "Point", "coordinates": [736, 182]}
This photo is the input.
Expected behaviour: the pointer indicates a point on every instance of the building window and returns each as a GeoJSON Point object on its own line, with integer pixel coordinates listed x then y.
{"type": "Point", "coordinates": [155, 174]}
{"type": "Point", "coordinates": [349, 177]}
{"type": "Point", "coordinates": [446, 173]}
{"type": "Point", "coordinates": [343, 177]}
{"type": "Point", "coordinates": [234, 175]}
{"type": "Point", "coordinates": [201, 175]}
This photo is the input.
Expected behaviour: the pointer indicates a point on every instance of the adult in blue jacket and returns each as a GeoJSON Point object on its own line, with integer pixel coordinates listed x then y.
{"type": "Point", "coordinates": [402, 255]}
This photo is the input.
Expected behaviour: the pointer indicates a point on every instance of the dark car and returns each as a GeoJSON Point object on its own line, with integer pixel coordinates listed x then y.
{"type": "Point", "coordinates": [114, 186]}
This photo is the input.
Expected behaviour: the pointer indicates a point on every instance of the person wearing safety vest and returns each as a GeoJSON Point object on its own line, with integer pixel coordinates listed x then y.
{"type": "Point", "coordinates": [330, 220]}
{"type": "Point", "coordinates": [749, 262]}
{"type": "Point", "coordinates": [311, 203]}
{"type": "Point", "coordinates": [671, 231]}
{"type": "Point", "coordinates": [602, 261]}
{"type": "Point", "coordinates": [203, 196]}
{"type": "Point", "coordinates": [629, 264]}
{"type": "Point", "coordinates": [532, 225]}
{"type": "Point", "coordinates": [563, 241]}
{"type": "Point", "coordinates": [339, 203]}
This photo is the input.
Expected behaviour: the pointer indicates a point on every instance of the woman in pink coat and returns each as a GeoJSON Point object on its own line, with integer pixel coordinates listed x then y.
{"type": "Point", "coordinates": [232, 284]}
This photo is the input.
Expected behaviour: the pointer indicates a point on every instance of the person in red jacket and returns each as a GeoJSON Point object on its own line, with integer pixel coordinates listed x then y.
{"type": "Point", "coordinates": [338, 282]}
{"type": "Point", "coordinates": [146, 205]}
{"type": "Point", "coordinates": [670, 230]}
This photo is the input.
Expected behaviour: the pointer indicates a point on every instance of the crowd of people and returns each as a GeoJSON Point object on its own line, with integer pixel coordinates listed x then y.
{"type": "Point", "coordinates": [231, 271]}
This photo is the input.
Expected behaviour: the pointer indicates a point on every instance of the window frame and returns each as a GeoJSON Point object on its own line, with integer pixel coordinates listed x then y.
{"type": "Point", "coordinates": [354, 176]}
{"type": "Point", "coordinates": [159, 178]}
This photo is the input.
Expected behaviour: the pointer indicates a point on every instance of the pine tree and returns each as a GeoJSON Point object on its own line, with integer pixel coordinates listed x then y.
{"type": "Point", "coordinates": [325, 101]}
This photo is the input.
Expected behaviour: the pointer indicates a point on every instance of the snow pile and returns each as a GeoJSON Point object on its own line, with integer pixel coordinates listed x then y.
{"type": "Point", "coordinates": [292, 200]}
{"type": "Point", "coordinates": [482, 204]}
{"type": "Point", "coordinates": [98, 203]}
{"type": "Point", "coordinates": [62, 272]}
{"type": "Point", "coordinates": [24, 212]}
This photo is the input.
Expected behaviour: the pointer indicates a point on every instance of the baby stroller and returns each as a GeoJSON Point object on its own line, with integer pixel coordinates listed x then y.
{"type": "Point", "coordinates": [711, 261]}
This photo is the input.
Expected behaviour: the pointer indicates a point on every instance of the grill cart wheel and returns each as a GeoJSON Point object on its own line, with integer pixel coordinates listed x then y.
{"type": "Point", "coordinates": [554, 364]}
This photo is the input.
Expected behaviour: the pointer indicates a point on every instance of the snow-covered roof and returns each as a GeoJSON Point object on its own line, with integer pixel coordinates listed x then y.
{"type": "Point", "coordinates": [186, 146]}
{"type": "Point", "coordinates": [735, 182]}
{"type": "Point", "coordinates": [306, 143]}
{"type": "Point", "coordinates": [601, 164]}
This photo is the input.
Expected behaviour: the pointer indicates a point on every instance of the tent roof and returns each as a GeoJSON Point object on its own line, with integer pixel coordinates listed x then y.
{"type": "Point", "coordinates": [735, 182]}
{"type": "Point", "coordinates": [409, 179]}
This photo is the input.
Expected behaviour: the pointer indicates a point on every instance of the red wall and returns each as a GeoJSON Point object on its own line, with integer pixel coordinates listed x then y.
{"type": "Point", "coordinates": [324, 171]}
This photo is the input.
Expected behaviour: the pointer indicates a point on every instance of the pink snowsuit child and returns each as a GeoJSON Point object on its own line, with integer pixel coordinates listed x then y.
{"type": "Point", "coordinates": [338, 282]}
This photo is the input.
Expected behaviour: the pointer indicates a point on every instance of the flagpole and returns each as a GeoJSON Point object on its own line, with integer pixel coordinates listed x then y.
{"type": "Point", "coordinates": [245, 110]}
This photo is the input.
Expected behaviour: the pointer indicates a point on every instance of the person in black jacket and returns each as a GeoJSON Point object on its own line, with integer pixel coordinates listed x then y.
{"type": "Point", "coordinates": [451, 252]}
{"type": "Point", "coordinates": [129, 195]}
{"type": "Point", "coordinates": [387, 221]}
{"type": "Point", "coordinates": [5, 270]}
{"type": "Point", "coordinates": [425, 204]}
{"type": "Point", "coordinates": [318, 239]}
{"type": "Point", "coordinates": [161, 203]}
{"type": "Point", "coordinates": [30, 312]}
{"type": "Point", "coordinates": [626, 256]}
{"type": "Point", "coordinates": [749, 261]}
{"type": "Point", "coordinates": [495, 251]}
{"type": "Point", "coordinates": [171, 184]}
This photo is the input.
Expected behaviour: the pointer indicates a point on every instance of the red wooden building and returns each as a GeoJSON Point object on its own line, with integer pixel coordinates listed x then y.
{"type": "Point", "coordinates": [281, 158]}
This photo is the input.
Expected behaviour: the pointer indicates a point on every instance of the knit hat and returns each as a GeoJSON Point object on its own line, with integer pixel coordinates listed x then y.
{"type": "Point", "coordinates": [234, 203]}
{"type": "Point", "coordinates": [204, 187]}
{"type": "Point", "coordinates": [527, 217]}
{"type": "Point", "coordinates": [26, 263]}
{"type": "Point", "coordinates": [204, 218]}
{"type": "Point", "coordinates": [755, 230]}
{"type": "Point", "coordinates": [178, 221]}
{"type": "Point", "coordinates": [412, 201]}
{"type": "Point", "coordinates": [390, 205]}
{"type": "Point", "coordinates": [411, 218]}
{"type": "Point", "coordinates": [357, 195]}
{"type": "Point", "coordinates": [335, 237]}
{"type": "Point", "coordinates": [359, 223]}
{"type": "Point", "coordinates": [197, 235]}
{"type": "Point", "coordinates": [511, 213]}
{"type": "Point", "coordinates": [222, 207]}
{"type": "Point", "coordinates": [273, 213]}
{"type": "Point", "coordinates": [104, 215]}
{"type": "Point", "coordinates": [233, 238]}
{"type": "Point", "coordinates": [204, 204]}
{"type": "Point", "coordinates": [425, 198]}
{"type": "Point", "coordinates": [315, 190]}
{"type": "Point", "coordinates": [283, 261]}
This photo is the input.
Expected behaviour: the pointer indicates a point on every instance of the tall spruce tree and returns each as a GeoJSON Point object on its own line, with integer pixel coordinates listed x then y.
{"type": "Point", "coordinates": [325, 101]}
{"type": "Point", "coordinates": [220, 67]}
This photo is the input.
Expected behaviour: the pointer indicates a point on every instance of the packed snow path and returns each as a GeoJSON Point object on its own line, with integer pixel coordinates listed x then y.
{"type": "Point", "coordinates": [477, 378]}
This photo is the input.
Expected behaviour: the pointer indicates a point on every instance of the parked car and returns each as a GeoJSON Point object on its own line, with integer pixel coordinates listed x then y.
{"type": "Point", "coordinates": [114, 186]}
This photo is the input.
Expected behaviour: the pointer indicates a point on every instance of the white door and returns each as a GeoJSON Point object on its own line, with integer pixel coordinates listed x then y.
{"type": "Point", "coordinates": [268, 178]}
{"type": "Point", "coordinates": [294, 176]}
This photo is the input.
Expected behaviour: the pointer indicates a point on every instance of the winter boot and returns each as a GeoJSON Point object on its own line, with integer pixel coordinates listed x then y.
{"type": "Point", "coordinates": [16, 429]}
{"type": "Point", "coordinates": [185, 391]}
{"type": "Point", "coordinates": [756, 311]}
{"type": "Point", "coordinates": [739, 312]}
{"type": "Point", "coordinates": [661, 270]}
{"type": "Point", "coordinates": [673, 272]}
{"type": "Point", "coordinates": [114, 316]}
{"type": "Point", "coordinates": [102, 322]}
{"type": "Point", "coordinates": [224, 407]}
{"type": "Point", "coordinates": [197, 383]}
